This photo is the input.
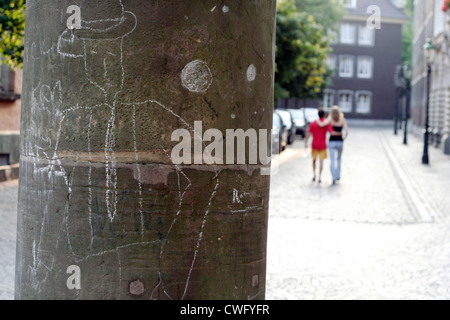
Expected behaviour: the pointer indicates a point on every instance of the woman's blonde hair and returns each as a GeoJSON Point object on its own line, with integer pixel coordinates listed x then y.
{"type": "Point", "coordinates": [336, 114]}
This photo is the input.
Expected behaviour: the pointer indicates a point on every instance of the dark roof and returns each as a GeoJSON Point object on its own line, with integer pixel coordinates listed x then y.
{"type": "Point", "coordinates": [388, 9]}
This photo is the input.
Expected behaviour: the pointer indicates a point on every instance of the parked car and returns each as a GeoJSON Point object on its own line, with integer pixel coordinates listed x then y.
{"type": "Point", "coordinates": [300, 121]}
{"type": "Point", "coordinates": [288, 120]}
{"type": "Point", "coordinates": [311, 115]}
{"type": "Point", "coordinates": [279, 134]}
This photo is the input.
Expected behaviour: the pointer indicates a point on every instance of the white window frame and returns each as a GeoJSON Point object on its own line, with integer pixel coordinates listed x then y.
{"type": "Point", "coordinates": [332, 62]}
{"type": "Point", "coordinates": [328, 99]}
{"type": "Point", "coordinates": [333, 36]}
{"type": "Point", "coordinates": [346, 66]}
{"type": "Point", "coordinates": [345, 107]}
{"type": "Point", "coordinates": [366, 109]}
{"type": "Point", "coordinates": [362, 65]}
{"type": "Point", "coordinates": [364, 31]}
{"type": "Point", "coordinates": [347, 33]}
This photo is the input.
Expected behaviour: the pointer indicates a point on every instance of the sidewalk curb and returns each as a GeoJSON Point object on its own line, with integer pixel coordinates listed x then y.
{"type": "Point", "coordinates": [10, 172]}
{"type": "Point", "coordinates": [370, 123]}
{"type": "Point", "coordinates": [410, 189]}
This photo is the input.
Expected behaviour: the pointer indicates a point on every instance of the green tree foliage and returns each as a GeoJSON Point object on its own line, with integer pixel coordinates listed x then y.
{"type": "Point", "coordinates": [302, 50]}
{"type": "Point", "coordinates": [408, 34]}
{"type": "Point", "coordinates": [327, 13]}
{"type": "Point", "coordinates": [12, 30]}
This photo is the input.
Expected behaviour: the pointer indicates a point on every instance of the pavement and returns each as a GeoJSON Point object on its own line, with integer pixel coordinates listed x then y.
{"type": "Point", "coordinates": [8, 227]}
{"type": "Point", "coordinates": [381, 233]}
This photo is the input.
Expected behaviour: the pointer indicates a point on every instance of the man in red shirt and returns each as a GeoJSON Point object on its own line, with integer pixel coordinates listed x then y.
{"type": "Point", "coordinates": [319, 143]}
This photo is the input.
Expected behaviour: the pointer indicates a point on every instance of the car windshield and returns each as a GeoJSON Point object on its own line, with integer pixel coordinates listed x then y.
{"type": "Point", "coordinates": [311, 113]}
{"type": "Point", "coordinates": [297, 114]}
{"type": "Point", "coordinates": [285, 116]}
{"type": "Point", "coordinates": [276, 121]}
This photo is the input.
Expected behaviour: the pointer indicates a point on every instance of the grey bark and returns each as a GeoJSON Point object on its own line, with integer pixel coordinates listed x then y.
{"type": "Point", "coordinates": [98, 188]}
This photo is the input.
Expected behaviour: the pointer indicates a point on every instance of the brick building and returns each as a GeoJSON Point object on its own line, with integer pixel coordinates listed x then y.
{"type": "Point", "coordinates": [365, 59]}
{"type": "Point", "coordinates": [431, 22]}
{"type": "Point", "coordinates": [10, 107]}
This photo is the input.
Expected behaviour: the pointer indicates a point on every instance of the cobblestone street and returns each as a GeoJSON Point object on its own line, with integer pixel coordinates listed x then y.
{"type": "Point", "coordinates": [381, 233]}
{"type": "Point", "coordinates": [8, 227]}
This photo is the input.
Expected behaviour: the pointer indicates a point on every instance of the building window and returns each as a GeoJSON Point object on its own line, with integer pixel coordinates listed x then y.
{"type": "Point", "coordinates": [7, 83]}
{"type": "Point", "coordinates": [331, 62]}
{"type": "Point", "coordinates": [351, 4]}
{"type": "Point", "coordinates": [366, 36]}
{"type": "Point", "coordinates": [348, 32]}
{"type": "Point", "coordinates": [363, 102]}
{"type": "Point", "coordinates": [345, 101]}
{"type": "Point", "coordinates": [346, 66]}
{"type": "Point", "coordinates": [333, 37]}
{"type": "Point", "coordinates": [4, 78]}
{"type": "Point", "coordinates": [365, 67]}
{"type": "Point", "coordinates": [328, 100]}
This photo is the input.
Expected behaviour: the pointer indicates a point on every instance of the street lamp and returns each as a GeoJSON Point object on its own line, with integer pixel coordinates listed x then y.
{"type": "Point", "coordinates": [398, 80]}
{"type": "Point", "coordinates": [429, 52]}
{"type": "Point", "coordinates": [402, 81]}
{"type": "Point", "coordinates": [407, 73]}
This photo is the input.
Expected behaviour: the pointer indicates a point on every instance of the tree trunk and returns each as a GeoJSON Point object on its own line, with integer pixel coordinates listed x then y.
{"type": "Point", "coordinates": [104, 210]}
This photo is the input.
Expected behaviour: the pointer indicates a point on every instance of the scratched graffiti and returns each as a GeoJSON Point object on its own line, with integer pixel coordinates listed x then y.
{"type": "Point", "coordinates": [93, 43]}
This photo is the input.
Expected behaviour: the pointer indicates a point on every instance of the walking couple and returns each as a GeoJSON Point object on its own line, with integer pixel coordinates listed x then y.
{"type": "Point", "coordinates": [337, 126]}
